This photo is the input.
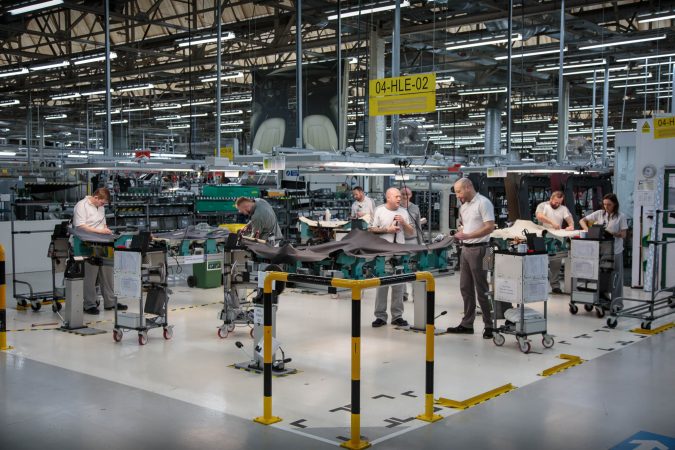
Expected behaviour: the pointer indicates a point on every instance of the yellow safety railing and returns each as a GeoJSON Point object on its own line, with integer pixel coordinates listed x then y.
{"type": "Point", "coordinates": [356, 287]}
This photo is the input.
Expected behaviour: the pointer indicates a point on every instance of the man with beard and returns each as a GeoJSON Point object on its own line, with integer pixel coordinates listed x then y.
{"type": "Point", "coordinates": [553, 214]}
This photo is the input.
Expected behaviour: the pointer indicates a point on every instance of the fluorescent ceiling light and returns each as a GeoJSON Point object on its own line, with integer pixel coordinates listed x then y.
{"type": "Point", "coordinates": [166, 106]}
{"type": "Point", "coordinates": [459, 125]}
{"type": "Point", "coordinates": [366, 10]}
{"type": "Point", "coordinates": [55, 116]}
{"type": "Point", "coordinates": [662, 15]}
{"type": "Point", "coordinates": [77, 155]}
{"type": "Point", "coordinates": [119, 121]}
{"type": "Point", "coordinates": [583, 108]}
{"type": "Point", "coordinates": [35, 7]}
{"type": "Point", "coordinates": [639, 58]}
{"type": "Point", "coordinates": [173, 117]}
{"type": "Point", "coordinates": [580, 72]}
{"type": "Point", "coordinates": [198, 102]}
{"type": "Point", "coordinates": [232, 130]}
{"type": "Point", "coordinates": [533, 120]}
{"type": "Point", "coordinates": [574, 65]}
{"type": "Point", "coordinates": [653, 83]}
{"type": "Point", "coordinates": [532, 101]}
{"type": "Point", "coordinates": [179, 126]}
{"type": "Point", "coordinates": [9, 102]}
{"type": "Point", "coordinates": [478, 42]}
{"type": "Point", "coordinates": [205, 39]}
{"type": "Point", "coordinates": [234, 112]}
{"type": "Point", "coordinates": [55, 65]}
{"type": "Point", "coordinates": [13, 72]}
{"type": "Point", "coordinates": [223, 76]}
{"type": "Point", "coordinates": [138, 87]}
{"type": "Point", "coordinates": [185, 116]}
{"type": "Point", "coordinates": [661, 91]}
{"type": "Point", "coordinates": [140, 108]}
{"type": "Point", "coordinates": [445, 80]}
{"type": "Point", "coordinates": [532, 53]}
{"type": "Point", "coordinates": [65, 96]}
{"type": "Point", "coordinates": [91, 59]}
{"type": "Point", "coordinates": [232, 123]}
{"type": "Point", "coordinates": [103, 113]}
{"type": "Point", "coordinates": [623, 42]}
{"type": "Point", "coordinates": [626, 77]}
{"type": "Point", "coordinates": [481, 91]}
{"type": "Point", "coordinates": [101, 92]}
{"type": "Point", "coordinates": [237, 100]}
{"type": "Point", "coordinates": [4, 153]}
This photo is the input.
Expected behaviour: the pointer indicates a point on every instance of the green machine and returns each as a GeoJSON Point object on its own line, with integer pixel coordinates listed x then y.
{"type": "Point", "coordinates": [207, 274]}
{"type": "Point", "coordinates": [221, 197]}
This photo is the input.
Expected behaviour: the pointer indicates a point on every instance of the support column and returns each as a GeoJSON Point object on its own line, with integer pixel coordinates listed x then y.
{"type": "Point", "coordinates": [493, 128]}
{"type": "Point", "coordinates": [563, 120]}
{"type": "Point", "coordinates": [376, 124]}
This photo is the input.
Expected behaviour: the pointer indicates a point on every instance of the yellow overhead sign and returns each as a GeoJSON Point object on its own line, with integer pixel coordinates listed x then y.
{"type": "Point", "coordinates": [403, 95]}
{"type": "Point", "coordinates": [664, 127]}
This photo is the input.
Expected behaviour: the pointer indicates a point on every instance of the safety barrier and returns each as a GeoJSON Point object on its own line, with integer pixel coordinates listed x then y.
{"type": "Point", "coordinates": [356, 287]}
{"type": "Point", "coordinates": [3, 302]}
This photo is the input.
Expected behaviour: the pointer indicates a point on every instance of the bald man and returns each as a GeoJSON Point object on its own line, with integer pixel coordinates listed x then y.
{"type": "Point", "coordinates": [477, 218]}
{"type": "Point", "coordinates": [392, 223]}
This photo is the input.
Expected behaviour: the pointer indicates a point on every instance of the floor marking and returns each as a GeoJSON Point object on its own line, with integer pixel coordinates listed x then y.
{"type": "Point", "coordinates": [382, 396]}
{"type": "Point", "coordinates": [345, 439]}
{"type": "Point", "coordinates": [600, 331]}
{"type": "Point", "coordinates": [658, 330]}
{"type": "Point", "coordinates": [347, 408]}
{"type": "Point", "coordinates": [307, 435]}
{"type": "Point", "coordinates": [473, 401]}
{"type": "Point", "coordinates": [409, 394]}
{"type": "Point", "coordinates": [624, 343]}
{"type": "Point", "coordinates": [298, 423]}
{"type": "Point", "coordinates": [563, 342]}
{"type": "Point", "coordinates": [585, 336]}
{"type": "Point", "coordinates": [394, 422]}
{"type": "Point", "coordinates": [606, 349]}
{"type": "Point", "coordinates": [571, 361]}
{"type": "Point", "coordinates": [396, 434]}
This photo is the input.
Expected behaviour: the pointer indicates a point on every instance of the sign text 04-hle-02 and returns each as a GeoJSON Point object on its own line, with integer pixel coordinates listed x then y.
{"type": "Point", "coordinates": [403, 95]}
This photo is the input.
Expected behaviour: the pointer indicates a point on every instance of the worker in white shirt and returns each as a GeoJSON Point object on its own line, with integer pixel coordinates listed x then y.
{"type": "Point", "coordinates": [554, 215]}
{"type": "Point", "coordinates": [89, 215]}
{"type": "Point", "coordinates": [363, 206]}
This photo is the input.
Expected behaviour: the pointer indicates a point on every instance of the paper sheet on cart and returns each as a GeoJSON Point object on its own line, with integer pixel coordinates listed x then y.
{"type": "Point", "coordinates": [516, 231]}
{"type": "Point", "coordinates": [127, 274]}
{"type": "Point", "coordinates": [506, 290]}
{"type": "Point", "coordinates": [323, 223]}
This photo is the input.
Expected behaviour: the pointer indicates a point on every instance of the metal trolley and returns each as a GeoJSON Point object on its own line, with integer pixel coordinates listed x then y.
{"type": "Point", "coordinates": [520, 278]}
{"type": "Point", "coordinates": [658, 305]}
{"type": "Point", "coordinates": [593, 275]}
{"type": "Point", "coordinates": [140, 270]}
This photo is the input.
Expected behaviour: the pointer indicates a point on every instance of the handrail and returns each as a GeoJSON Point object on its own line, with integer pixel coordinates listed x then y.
{"type": "Point", "coordinates": [356, 287]}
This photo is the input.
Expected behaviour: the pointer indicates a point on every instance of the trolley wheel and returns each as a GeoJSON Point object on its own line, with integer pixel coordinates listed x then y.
{"type": "Point", "coordinates": [574, 308]}
{"type": "Point", "coordinates": [35, 306]}
{"type": "Point", "coordinates": [142, 338]}
{"type": "Point", "coordinates": [547, 341]}
{"type": "Point", "coordinates": [588, 308]}
{"type": "Point", "coordinates": [646, 325]}
{"type": "Point", "coordinates": [117, 335]}
{"type": "Point", "coordinates": [498, 339]}
{"type": "Point", "coordinates": [524, 345]}
{"type": "Point", "coordinates": [168, 333]}
{"type": "Point", "coordinates": [23, 302]}
{"type": "Point", "coordinates": [600, 312]}
{"type": "Point", "coordinates": [230, 327]}
{"type": "Point", "coordinates": [251, 332]}
{"type": "Point", "coordinates": [56, 306]}
{"type": "Point", "coordinates": [191, 281]}
{"type": "Point", "coordinates": [612, 322]}
{"type": "Point", "coordinates": [222, 333]}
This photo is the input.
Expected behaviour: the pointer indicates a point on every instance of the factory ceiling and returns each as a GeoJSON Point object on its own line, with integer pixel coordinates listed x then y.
{"type": "Point", "coordinates": [52, 87]}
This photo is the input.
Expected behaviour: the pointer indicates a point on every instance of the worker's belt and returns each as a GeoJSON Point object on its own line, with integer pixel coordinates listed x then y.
{"type": "Point", "coordinates": [477, 244]}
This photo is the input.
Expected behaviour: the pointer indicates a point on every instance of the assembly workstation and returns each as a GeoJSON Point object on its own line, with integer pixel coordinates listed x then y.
{"type": "Point", "coordinates": [457, 236]}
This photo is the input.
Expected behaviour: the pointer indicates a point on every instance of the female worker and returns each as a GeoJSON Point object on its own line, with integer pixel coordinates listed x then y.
{"type": "Point", "coordinates": [616, 224]}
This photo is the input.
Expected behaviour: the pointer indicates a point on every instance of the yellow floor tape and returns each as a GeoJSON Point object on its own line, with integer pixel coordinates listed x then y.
{"type": "Point", "coordinates": [658, 330]}
{"type": "Point", "coordinates": [571, 362]}
{"type": "Point", "coordinates": [473, 401]}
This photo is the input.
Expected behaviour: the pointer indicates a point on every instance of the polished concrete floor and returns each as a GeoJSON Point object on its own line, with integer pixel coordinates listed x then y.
{"type": "Point", "coordinates": [70, 391]}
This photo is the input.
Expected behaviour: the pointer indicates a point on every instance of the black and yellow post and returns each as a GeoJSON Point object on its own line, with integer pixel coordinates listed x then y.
{"type": "Point", "coordinates": [3, 303]}
{"type": "Point", "coordinates": [428, 414]}
{"type": "Point", "coordinates": [267, 418]}
{"type": "Point", "coordinates": [357, 286]}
